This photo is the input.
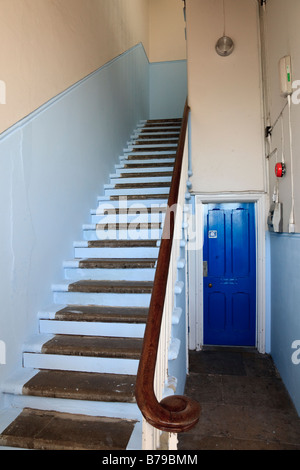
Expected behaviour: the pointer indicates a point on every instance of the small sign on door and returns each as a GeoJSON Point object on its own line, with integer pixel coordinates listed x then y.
{"type": "Point", "coordinates": [213, 234]}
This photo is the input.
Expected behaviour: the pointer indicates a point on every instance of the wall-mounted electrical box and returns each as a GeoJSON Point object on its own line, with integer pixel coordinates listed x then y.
{"type": "Point", "coordinates": [275, 221]}
{"type": "Point", "coordinates": [285, 76]}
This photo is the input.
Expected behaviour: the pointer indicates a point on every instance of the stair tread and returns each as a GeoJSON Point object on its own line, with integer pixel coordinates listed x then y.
{"type": "Point", "coordinates": [128, 164]}
{"type": "Point", "coordinates": [94, 346]}
{"type": "Point", "coordinates": [112, 263]}
{"type": "Point", "coordinates": [140, 196]}
{"type": "Point", "coordinates": [135, 210]}
{"type": "Point", "coordinates": [50, 430]}
{"type": "Point", "coordinates": [155, 141]}
{"type": "Point", "coordinates": [97, 313]}
{"type": "Point", "coordinates": [146, 175]}
{"type": "Point", "coordinates": [162, 123]}
{"type": "Point", "coordinates": [152, 156]}
{"type": "Point", "coordinates": [155, 149]}
{"type": "Point", "coordinates": [122, 243]}
{"type": "Point", "coordinates": [82, 386]}
{"type": "Point", "coordinates": [151, 129]}
{"type": "Point", "coordinates": [111, 286]}
{"type": "Point", "coordinates": [164, 184]}
{"type": "Point", "coordinates": [164, 120]}
{"type": "Point", "coordinates": [124, 226]}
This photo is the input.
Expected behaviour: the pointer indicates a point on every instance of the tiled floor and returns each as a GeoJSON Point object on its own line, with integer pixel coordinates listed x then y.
{"type": "Point", "coordinates": [245, 405]}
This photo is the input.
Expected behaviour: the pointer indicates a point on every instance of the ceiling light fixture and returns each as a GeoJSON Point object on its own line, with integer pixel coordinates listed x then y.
{"type": "Point", "coordinates": [225, 45]}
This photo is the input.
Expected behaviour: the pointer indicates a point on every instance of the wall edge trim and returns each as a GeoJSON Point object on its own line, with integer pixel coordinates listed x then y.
{"type": "Point", "coordinates": [31, 116]}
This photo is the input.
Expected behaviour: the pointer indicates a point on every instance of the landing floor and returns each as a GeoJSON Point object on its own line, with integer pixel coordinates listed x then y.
{"type": "Point", "coordinates": [245, 405]}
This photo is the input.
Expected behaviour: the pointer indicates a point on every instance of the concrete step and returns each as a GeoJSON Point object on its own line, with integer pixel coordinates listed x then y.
{"type": "Point", "coordinates": [84, 354]}
{"type": "Point", "coordinates": [160, 126]}
{"type": "Point", "coordinates": [109, 293]}
{"type": "Point", "coordinates": [120, 231]}
{"type": "Point", "coordinates": [135, 215]}
{"type": "Point", "coordinates": [82, 386]}
{"type": "Point", "coordinates": [145, 164]}
{"type": "Point", "coordinates": [138, 195]}
{"type": "Point", "coordinates": [116, 249]}
{"type": "Point", "coordinates": [144, 146]}
{"type": "Point", "coordinates": [124, 183]}
{"type": "Point", "coordinates": [147, 157]}
{"type": "Point", "coordinates": [110, 269]}
{"type": "Point", "coordinates": [139, 139]}
{"type": "Point", "coordinates": [163, 170]}
{"type": "Point", "coordinates": [96, 313]}
{"type": "Point", "coordinates": [50, 430]}
{"type": "Point", "coordinates": [94, 321]}
{"type": "Point", "coordinates": [123, 203]}
{"type": "Point", "coordinates": [138, 192]}
{"type": "Point", "coordinates": [121, 287]}
{"type": "Point", "coordinates": [146, 178]}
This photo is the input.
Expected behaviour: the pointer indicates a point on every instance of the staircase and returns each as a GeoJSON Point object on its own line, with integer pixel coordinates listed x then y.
{"type": "Point", "coordinates": [76, 387]}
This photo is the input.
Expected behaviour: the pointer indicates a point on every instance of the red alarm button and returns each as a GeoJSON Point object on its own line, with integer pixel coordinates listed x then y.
{"type": "Point", "coordinates": [280, 170]}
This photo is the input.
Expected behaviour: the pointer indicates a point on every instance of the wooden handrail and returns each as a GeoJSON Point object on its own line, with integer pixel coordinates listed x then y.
{"type": "Point", "coordinates": [175, 413]}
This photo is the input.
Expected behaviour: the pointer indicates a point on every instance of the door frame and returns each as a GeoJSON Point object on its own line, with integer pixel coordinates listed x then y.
{"type": "Point", "coordinates": [195, 262]}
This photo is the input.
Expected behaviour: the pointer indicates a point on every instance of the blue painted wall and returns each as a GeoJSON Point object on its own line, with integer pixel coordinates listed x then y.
{"type": "Point", "coordinates": [53, 166]}
{"type": "Point", "coordinates": [168, 89]}
{"type": "Point", "coordinates": [285, 310]}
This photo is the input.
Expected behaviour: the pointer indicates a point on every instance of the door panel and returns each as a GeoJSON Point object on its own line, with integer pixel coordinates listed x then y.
{"type": "Point", "coordinates": [230, 282]}
{"type": "Point", "coordinates": [217, 311]}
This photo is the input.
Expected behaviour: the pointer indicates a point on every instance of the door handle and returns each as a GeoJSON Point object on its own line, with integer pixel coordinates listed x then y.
{"type": "Point", "coordinates": [210, 285]}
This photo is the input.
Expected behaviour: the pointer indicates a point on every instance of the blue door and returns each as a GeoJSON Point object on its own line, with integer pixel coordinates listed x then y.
{"type": "Point", "coordinates": [229, 271]}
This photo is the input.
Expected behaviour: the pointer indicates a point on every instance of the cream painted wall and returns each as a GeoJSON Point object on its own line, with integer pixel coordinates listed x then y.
{"type": "Point", "coordinates": [167, 31]}
{"type": "Point", "coordinates": [48, 45]}
{"type": "Point", "coordinates": [225, 98]}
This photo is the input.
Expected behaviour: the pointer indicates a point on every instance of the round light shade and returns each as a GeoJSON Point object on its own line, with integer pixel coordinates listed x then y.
{"type": "Point", "coordinates": [224, 46]}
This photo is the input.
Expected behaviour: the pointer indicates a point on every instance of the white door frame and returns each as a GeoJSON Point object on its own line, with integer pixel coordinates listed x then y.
{"type": "Point", "coordinates": [195, 253]}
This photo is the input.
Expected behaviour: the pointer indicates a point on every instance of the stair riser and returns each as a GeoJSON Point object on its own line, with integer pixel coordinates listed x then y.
{"type": "Point", "coordinates": [162, 139]}
{"type": "Point", "coordinates": [114, 234]}
{"type": "Point", "coordinates": [125, 160]}
{"type": "Point", "coordinates": [124, 203]}
{"type": "Point", "coordinates": [80, 363]}
{"type": "Point", "coordinates": [137, 191]}
{"type": "Point", "coordinates": [123, 171]}
{"type": "Point", "coordinates": [110, 274]}
{"type": "Point", "coordinates": [133, 218]}
{"type": "Point", "coordinates": [154, 179]}
{"type": "Point", "coordinates": [147, 156]}
{"type": "Point", "coordinates": [89, 408]}
{"type": "Point", "coordinates": [106, 299]}
{"type": "Point", "coordinates": [166, 128]}
{"type": "Point", "coordinates": [156, 133]}
{"type": "Point", "coordinates": [152, 147]}
{"type": "Point", "coordinates": [118, 330]}
{"type": "Point", "coordinates": [143, 252]}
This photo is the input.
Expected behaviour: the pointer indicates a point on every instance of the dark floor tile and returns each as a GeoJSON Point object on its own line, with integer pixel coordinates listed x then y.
{"type": "Point", "coordinates": [259, 365]}
{"type": "Point", "coordinates": [216, 362]}
{"type": "Point", "coordinates": [255, 391]}
{"type": "Point", "coordinates": [204, 388]}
